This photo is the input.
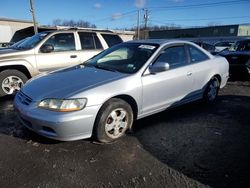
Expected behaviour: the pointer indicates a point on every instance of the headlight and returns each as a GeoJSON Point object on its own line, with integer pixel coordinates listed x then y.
{"type": "Point", "coordinates": [63, 105]}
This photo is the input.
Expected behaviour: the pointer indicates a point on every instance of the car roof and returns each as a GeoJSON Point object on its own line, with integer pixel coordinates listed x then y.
{"type": "Point", "coordinates": [160, 41]}
{"type": "Point", "coordinates": [77, 30]}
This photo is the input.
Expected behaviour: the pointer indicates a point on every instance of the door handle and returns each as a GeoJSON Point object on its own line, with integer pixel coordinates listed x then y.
{"type": "Point", "coordinates": [189, 73]}
{"type": "Point", "coordinates": [73, 56]}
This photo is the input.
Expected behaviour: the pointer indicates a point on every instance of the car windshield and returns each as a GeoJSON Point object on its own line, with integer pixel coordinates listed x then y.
{"type": "Point", "coordinates": [32, 41]}
{"type": "Point", "coordinates": [240, 46]}
{"type": "Point", "coordinates": [125, 57]}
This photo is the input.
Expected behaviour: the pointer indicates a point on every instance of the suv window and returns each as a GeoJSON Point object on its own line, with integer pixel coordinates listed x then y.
{"type": "Point", "coordinates": [175, 56]}
{"type": "Point", "coordinates": [196, 55]}
{"type": "Point", "coordinates": [112, 40]}
{"type": "Point", "coordinates": [62, 42]}
{"type": "Point", "coordinates": [89, 41]}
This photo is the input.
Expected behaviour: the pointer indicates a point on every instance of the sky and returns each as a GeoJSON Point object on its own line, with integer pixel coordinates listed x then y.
{"type": "Point", "coordinates": [114, 14]}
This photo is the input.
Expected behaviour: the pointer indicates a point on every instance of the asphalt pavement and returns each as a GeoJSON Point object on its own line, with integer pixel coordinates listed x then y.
{"type": "Point", "coordinates": [195, 145]}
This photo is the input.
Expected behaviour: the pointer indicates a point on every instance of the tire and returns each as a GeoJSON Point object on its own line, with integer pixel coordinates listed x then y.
{"type": "Point", "coordinates": [11, 80]}
{"type": "Point", "coordinates": [212, 90]}
{"type": "Point", "coordinates": [112, 121]}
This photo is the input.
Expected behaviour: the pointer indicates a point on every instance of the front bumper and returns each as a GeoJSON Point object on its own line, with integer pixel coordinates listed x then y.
{"type": "Point", "coordinates": [224, 80]}
{"type": "Point", "coordinates": [67, 126]}
{"type": "Point", "coordinates": [240, 69]}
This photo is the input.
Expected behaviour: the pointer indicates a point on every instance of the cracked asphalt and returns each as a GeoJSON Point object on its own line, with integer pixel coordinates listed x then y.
{"type": "Point", "coordinates": [195, 145]}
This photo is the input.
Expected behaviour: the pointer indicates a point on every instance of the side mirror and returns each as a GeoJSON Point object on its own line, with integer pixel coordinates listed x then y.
{"type": "Point", "coordinates": [47, 48]}
{"type": "Point", "coordinates": [159, 67]}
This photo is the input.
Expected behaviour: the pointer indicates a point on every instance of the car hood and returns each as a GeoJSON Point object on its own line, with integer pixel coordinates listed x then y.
{"type": "Point", "coordinates": [236, 57]}
{"type": "Point", "coordinates": [227, 52]}
{"type": "Point", "coordinates": [10, 53]}
{"type": "Point", "coordinates": [8, 50]}
{"type": "Point", "coordinates": [66, 83]}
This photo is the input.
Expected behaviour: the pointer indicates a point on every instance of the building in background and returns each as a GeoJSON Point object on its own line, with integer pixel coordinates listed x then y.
{"type": "Point", "coordinates": [8, 27]}
{"type": "Point", "coordinates": [227, 31]}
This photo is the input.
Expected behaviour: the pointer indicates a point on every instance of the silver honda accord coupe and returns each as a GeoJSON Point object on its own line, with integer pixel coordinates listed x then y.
{"type": "Point", "coordinates": [103, 96]}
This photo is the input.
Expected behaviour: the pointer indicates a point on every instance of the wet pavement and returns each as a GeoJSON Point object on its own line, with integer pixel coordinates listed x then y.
{"type": "Point", "coordinates": [190, 146]}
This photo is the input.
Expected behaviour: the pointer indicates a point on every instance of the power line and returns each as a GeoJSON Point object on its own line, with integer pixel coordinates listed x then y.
{"type": "Point", "coordinates": [201, 5]}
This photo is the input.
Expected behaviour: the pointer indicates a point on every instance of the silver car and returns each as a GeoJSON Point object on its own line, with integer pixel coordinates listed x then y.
{"type": "Point", "coordinates": [106, 94]}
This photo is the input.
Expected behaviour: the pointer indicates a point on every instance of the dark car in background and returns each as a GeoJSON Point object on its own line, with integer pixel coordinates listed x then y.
{"type": "Point", "coordinates": [223, 45]}
{"type": "Point", "coordinates": [238, 57]}
{"type": "Point", "coordinates": [209, 47]}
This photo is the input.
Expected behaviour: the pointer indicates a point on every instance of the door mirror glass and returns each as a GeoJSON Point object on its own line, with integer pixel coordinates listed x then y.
{"type": "Point", "coordinates": [47, 48]}
{"type": "Point", "coordinates": [159, 67]}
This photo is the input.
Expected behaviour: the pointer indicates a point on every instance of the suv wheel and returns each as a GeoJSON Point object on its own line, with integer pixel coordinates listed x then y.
{"type": "Point", "coordinates": [113, 119]}
{"type": "Point", "coordinates": [11, 81]}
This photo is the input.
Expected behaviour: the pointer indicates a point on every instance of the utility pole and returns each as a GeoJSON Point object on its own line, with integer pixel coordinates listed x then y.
{"type": "Point", "coordinates": [32, 10]}
{"type": "Point", "coordinates": [146, 16]}
{"type": "Point", "coordinates": [138, 25]}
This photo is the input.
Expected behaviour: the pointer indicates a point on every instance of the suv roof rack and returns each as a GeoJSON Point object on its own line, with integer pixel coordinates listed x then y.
{"type": "Point", "coordinates": [82, 28]}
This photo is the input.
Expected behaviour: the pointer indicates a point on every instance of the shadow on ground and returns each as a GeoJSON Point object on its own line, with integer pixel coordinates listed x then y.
{"type": "Point", "coordinates": [208, 143]}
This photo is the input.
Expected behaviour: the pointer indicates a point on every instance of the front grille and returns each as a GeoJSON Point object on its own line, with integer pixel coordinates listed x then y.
{"type": "Point", "coordinates": [24, 99]}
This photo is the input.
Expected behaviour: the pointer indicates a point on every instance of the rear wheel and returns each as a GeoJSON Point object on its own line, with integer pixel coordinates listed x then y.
{"type": "Point", "coordinates": [11, 81]}
{"type": "Point", "coordinates": [211, 90]}
{"type": "Point", "coordinates": [112, 121]}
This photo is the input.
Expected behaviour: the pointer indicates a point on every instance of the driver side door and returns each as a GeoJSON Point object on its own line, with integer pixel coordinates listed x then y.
{"type": "Point", "coordinates": [170, 87]}
{"type": "Point", "coordinates": [63, 55]}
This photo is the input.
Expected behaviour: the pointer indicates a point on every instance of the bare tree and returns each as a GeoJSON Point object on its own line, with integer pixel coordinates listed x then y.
{"type": "Point", "coordinates": [73, 23]}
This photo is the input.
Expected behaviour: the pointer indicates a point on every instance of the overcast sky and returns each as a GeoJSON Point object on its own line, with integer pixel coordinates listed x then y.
{"type": "Point", "coordinates": [123, 13]}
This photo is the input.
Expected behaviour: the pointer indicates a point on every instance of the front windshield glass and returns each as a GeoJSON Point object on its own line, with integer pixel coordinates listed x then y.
{"type": "Point", "coordinates": [32, 41]}
{"type": "Point", "coordinates": [125, 58]}
{"type": "Point", "coordinates": [234, 46]}
{"type": "Point", "coordinates": [240, 46]}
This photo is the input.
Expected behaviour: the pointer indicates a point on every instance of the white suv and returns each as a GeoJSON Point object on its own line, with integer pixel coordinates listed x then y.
{"type": "Point", "coordinates": [48, 51]}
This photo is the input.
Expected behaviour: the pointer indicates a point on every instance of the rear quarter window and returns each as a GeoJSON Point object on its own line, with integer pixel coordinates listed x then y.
{"type": "Point", "coordinates": [111, 40]}
{"type": "Point", "coordinates": [89, 41]}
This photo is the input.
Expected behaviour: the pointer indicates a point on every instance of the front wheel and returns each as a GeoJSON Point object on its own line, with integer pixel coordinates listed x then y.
{"type": "Point", "coordinates": [112, 121]}
{"type": "Point", "coordinates": [11, 81]}
{"type": "Point", "coordinates": [211, 90]}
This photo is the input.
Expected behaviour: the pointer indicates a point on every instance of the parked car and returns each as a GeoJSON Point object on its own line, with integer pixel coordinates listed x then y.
{"type": "Point", "coordinates": [14, 45]}
{"type": "Point", "coordinates": [209, 47]}
{"type": "Point", "coordinates": [48, 51]}
{"type": "Point", "coordinates": [105, 95]}
{"type": "Point", "coordinates": [238, 57]}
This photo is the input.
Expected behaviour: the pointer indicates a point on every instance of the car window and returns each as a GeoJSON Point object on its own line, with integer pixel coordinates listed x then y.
{"type": "Point", "coordinates": [196, 55]}
{"type": "Point", "coordinates": [32, 41]}
{"type": "Point", "coordinates": [112, 40]}
{"type": "Point", "coordinates": [120, 54]}
{"type": "Point", "coordinates": [124, 57]}
{"type": "Point", "coordinates": [62, 42]}
{"type": "Point", "coordinates": [243, 46]}
{"type": "Point", "coordinates": [89, 41]}
{"type": "Point", "coordinates": [175, 56]}
{"type": "Point", "coordinates": [226, 44]}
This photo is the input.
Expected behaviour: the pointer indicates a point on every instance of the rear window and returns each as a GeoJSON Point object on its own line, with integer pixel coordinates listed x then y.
{"type": "Point", "coordinates": [112, 40]}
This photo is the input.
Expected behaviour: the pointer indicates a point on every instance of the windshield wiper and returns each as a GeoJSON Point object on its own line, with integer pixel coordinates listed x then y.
{"type": "Point", "coordinates": [105, 68]}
